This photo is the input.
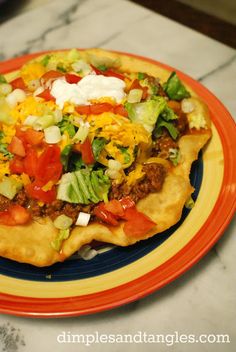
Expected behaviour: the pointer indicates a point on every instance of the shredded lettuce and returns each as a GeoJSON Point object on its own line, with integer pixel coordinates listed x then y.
{"type": "Point", "coordinates": [174, 156]}
{"type": "Point", "coordinates": [9, 187]}
{"type": "Point", "coordinates": [174, 88]}
{"type": "Point", "coordinates": [189, 203]}
{"type": "Point", "coordinates": [168, 125]}
{"type": "Point", "coordinates": [65, 155]}
{"type": "Point", "coordinates": [3, 148]}
{"type": "Point", "coordinates": [62, 235]}
{"type": "Point", "coordinates": [146, 113]}
{"type": "Point", "coordinates": [97, 146]}
{"type": "Point", "coordinates": [84, 186]}
{"type": "Point", "coordinates": [66, 125]}
{"type": "Point", "coordinates": [126, 154]}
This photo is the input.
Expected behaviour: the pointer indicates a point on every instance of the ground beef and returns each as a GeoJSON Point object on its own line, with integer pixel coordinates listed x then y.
{"type": "Point", "coordinates": [162, 145]}
{"type": "Point", "coordinates": [21, 199]}
{"type": "Point", "coordinates": [59, 207]}
{"type": "Point", "coordinates": [152, 182]}
{"type": "Point", "coordinates": [153, 81]}
{"type": "Point", "coordinates": [181, 123]}
{"type": "Point", "coordinates": [4, 203]}
{"type": "Point", "coordinates": [53, 210]}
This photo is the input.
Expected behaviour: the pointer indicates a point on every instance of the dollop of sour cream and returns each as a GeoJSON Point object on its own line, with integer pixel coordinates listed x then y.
{"type": "Point", "coordinates": [88, 88]}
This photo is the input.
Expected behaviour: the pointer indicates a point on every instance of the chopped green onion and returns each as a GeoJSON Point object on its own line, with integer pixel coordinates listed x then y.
{"type": "Point", "coordinates": [62, 222]}
{"type": "Point", "coordinates": [2, 79]}
{"type": "Point", "coordinates": [45, 60]}
{"type": "Point", "coordinates": [102, 67]}
{"type": "Point", "coordinates": [141, 76]}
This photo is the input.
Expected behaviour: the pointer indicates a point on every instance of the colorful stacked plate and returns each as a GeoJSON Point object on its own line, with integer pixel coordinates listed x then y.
{"type": "Point", "coordinates": [121, 275]}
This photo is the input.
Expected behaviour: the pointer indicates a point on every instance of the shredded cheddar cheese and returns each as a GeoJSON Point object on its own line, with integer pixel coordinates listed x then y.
{"type": "Point", "coordinates": [135, 175]}
{"type": "Point", "coordinates": [32, 71]}
{"type": "Point", "coordinates": [31, 106]}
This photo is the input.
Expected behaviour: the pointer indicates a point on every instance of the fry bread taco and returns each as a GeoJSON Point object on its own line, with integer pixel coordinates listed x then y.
{"type": "Point", "coordinates": [94, 145]}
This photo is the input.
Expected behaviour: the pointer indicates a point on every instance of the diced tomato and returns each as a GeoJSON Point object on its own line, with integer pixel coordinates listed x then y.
{"type": "Point", "coordinates": [70, 78]}
{"type": "Point", "coordinates": [31, 162]}
{"type": "Point", "coordinates": [52, 74]}
{"type": "Point", "coordinates": [14, 215]}
{"type": "Point", "coordinates": [135, 85]}
{"type": "Point", "coordinates": [6, 218]}
{"type": "Point", "coordinates": [29, 136]}
{"type": "Point", "coordinates": [101, 213]}
{"type": "Point", "coordinates": [46, 95]}
{"type": "Point", "coordinates": [145, 93]}
{"type": "Point", "coordinates": [97, 109]}
{"type": "Point", "coordinates": [120, 110]}
{"type": "Point", "coordinates": [18, 83]}
{"type": "Point", "coordinates": [111, 73]}
{"type": "Point", "coordinates": [115, 207]}
{"type": "Point", "coordinates": [97, 71]}
{"type": "Point", "coordinates": [16, 165]}
{"type": "Point", "coordinates": [19, 214]}
{"type": "Point", "coordinates": [127, 202]}
{"type": "Point", "coordinates": [34, 190]}
{"type": "Point", "coordinates": [33, 137]}
{"type": "Point", "coordinates": [137, 224]}
{"type": "Point", "coordinates": [49, 166]}
{"type": "Point", "coordinates": [16, 147]}
{"type": "Point", "coordinates": [108, 73]}
{"type": "Point", "coordinates": [87, 152]}
{"type": "Point", "coordinates": [83, 109]}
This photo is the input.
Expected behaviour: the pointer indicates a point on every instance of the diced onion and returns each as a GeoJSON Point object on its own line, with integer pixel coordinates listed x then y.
{"type": "Point", "coordinates": [82, 133]}
{"type": "Point", "coordinates": [114, 165]}
{"type": "Point", "coordinates": [30, 120]}
{"type": "Point", "coordinates": [135, 96]}
{"type": "Point", "coordinates": [58, 115]}
{"type": "Point", "coordinates": [11, 100]}
{"type": "Point", "coordinates": [34, 85]}
{"type": "Point", "coordinates": [5, 88]}
{"type": "Point", "coordinates": [38, 91]}
{"type": "Point", "coordinates": [44, 122]}
{"type": "Point", "coordinates": [83, 219]}
{"type": "Point", "coordinates": [187, 106]}
{"type": "Point", "coordinates": [52, 134]}
{"type": "Point", "coordinates": [113, 174]}
{"type": "Point", "coordinates": [19, 94]}
{"type": "Point", "coordinates": [63, 222]}
{"type": "Point", "coordinates": [87, 252]}
{"type": "Point", "coordinates": [81, 65]}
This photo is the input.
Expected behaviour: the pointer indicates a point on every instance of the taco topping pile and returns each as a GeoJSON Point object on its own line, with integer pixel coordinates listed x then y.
{"type": "Point", "coordinates": [83, 141]}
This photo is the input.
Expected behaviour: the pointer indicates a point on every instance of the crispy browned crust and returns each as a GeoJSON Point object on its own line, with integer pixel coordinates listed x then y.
{"type": "Point", "coordinates": [32, 243]}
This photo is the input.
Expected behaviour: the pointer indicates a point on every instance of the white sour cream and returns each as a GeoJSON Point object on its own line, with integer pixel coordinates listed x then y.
{"type": "Point", "coordinates": [89, 87]}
